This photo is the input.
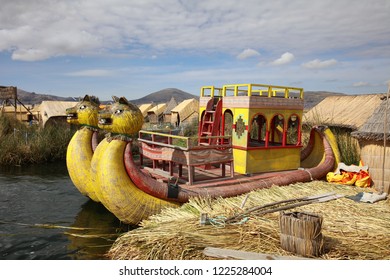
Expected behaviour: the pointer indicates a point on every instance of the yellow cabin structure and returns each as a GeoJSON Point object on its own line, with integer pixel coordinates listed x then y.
{"type": "Point", "coordinates": [264, 122]}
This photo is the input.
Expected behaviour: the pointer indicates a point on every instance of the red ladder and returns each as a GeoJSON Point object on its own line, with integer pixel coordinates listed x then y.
{"type": "Point", "coordinates": [211, 122]}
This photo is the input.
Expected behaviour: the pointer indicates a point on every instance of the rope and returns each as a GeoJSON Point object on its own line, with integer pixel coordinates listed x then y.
{"type": "Point", "coordinates": [311, 177]}
{"type": "Point", "coordinates": [91, 127]}
{"type": "Point", "coordinates": [220, 221]}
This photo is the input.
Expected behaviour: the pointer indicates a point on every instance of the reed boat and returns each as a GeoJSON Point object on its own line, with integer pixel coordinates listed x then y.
{"type": "Point", "coordinates": [249, 137]}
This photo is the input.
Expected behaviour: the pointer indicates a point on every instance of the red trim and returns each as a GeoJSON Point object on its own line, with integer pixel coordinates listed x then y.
{"type": "Point", "coordinates": [265, 148]}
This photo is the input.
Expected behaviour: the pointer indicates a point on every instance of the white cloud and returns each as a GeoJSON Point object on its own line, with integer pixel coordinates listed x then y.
{"type": "Point", "coordinates": [360, 84]}
{"type": "Point", "coordinates": [39, 29]}
{"type": "Point", "coordinates": [248, 53]}
{"type": "Point", "coordinates": [286, 58]}
{"type": "Point", "coordinates": [91, 73]}
{"type": "Point", "coordinates": [30, 54]}
{"type": "Point", "coordinates": [318, 64]}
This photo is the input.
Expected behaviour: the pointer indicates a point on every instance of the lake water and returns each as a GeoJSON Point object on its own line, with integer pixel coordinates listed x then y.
{"type": "Point", "coordinates": [43, 216]}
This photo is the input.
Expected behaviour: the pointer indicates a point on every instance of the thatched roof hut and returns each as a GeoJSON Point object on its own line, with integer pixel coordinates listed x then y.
{"type": "Point", "coordinates": [155, 114]}
{"type": "Point", "coordinates": [53, 111]}
{"type": "Point", "coordinates": [186, 112]}
{"type": "Point", "coordinates": [167, 113]}
{"type": "Point", "coordinates": [145, 108]}
{"type": "Point", "coordinates": [372, 144]}
{"type": "Point", "coordinates": [346, 111]}
{"type": "Point", "coordinates": [24, 113]}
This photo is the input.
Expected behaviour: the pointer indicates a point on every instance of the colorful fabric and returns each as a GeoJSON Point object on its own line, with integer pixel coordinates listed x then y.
{"type": "Point", "coordinates": [355, 176]}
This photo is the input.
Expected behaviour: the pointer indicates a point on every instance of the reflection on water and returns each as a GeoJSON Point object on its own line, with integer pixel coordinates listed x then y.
{"type": "Point", "coordinates": [43, 216]}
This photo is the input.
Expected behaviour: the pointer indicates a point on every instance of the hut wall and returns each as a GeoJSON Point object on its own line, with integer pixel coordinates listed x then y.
{"type": "Point", "coordinates": [153, 118]}
{"type": "Point", "coordinates": [174, 118]}
{"type": "Point", "coordinates": [167, 118]}
{"type": "Point", "coordinates": [372, 155]}
{"type": "Point", "coordinates": [191, 119]}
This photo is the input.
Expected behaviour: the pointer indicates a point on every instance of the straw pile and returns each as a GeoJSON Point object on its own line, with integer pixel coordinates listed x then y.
{"type": "Point", "coordinates": [351, 230]}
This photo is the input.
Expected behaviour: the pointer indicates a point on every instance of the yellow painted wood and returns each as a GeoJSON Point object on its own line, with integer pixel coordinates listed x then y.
{"type": "Point", "coordinates": [78, 160]}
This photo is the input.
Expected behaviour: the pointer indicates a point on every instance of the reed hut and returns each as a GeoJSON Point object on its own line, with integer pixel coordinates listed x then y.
{"type": "Point", "coordinates": [155, 114]}
{"type": "Point", "coordinates": [349, 112]}
{"type": "Point", "coordinates": [23, 113]}
{"type": "Point", "coordinates": [53, 112]}
{"type": "Point", "coordinates": [11, 105]}
{"type": "Point", "coordinates": [167, 113]}
{"type": "Point", "coordinates": [145, 108]}
{"type": "Point", "coordinates": [374, 147]}
{"type": "Point", "coordinates": [185, 113]}
{"type": "Point", "coordinates": [344, 114]}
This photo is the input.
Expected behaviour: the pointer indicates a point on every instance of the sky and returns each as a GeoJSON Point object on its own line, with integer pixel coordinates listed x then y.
{"type": "Point", "coordinates": [132, 48]}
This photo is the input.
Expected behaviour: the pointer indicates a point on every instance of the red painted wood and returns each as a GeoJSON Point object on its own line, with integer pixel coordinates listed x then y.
{"type": "Point", "coordinates": [233, 186]}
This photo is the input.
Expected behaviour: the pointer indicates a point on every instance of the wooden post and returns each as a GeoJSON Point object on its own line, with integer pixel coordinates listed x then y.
{"type": "Point", "coordinates": [386, 188]}
{"type": "Point", "coordinates": [191, 177]}
{"type": "Point", "coordinates": [15, 94]}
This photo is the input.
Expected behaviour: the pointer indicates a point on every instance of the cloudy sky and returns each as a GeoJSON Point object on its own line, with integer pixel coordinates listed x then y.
{"type": "Point", "coordinates": [132, 48]}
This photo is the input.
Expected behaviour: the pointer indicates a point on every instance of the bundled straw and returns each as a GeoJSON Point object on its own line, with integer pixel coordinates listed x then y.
{"type": "Point", "coordinates": [301, 233]}
{"type": "Point", "coordinates": [351, 230]}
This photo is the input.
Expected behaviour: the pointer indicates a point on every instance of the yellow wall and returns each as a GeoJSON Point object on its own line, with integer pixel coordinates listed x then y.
{"type": "Point", "coordinates": [244, 109]}
{"type": "Point", "coordinates": [262, 159]}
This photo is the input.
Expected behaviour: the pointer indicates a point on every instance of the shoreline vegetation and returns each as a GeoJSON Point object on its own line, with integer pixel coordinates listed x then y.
{"type": "Point", "coordinates": [23, 144]}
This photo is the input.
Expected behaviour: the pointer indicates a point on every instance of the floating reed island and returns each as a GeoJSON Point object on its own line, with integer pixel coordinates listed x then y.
{"type": "Point", "coordinates": [350, 229]}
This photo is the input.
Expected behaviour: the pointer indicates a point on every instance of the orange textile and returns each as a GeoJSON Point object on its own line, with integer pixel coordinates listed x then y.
{"type": "Point", "coordinates": [360, 179]}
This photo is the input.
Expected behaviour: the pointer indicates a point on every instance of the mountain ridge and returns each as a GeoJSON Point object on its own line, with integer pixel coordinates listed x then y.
{"type": "Point", "coordinates": [163, 96]}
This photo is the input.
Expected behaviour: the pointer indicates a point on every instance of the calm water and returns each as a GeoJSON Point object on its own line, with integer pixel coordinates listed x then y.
{"type": "Point", "coordinates": [43, 216]}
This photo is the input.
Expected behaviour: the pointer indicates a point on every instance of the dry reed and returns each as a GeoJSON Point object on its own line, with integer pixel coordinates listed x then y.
{"type": "Point", "coordinates": [351, 230]}
{"type": "Point", "coordinates": [301, 233]}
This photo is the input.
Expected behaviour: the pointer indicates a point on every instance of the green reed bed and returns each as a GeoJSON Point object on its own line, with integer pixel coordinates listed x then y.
{"type": "Point", "coordinates": [22, 144]}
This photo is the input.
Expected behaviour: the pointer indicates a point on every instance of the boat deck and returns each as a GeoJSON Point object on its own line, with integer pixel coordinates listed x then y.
{"type": "Point", "coordinates": [205, 178]}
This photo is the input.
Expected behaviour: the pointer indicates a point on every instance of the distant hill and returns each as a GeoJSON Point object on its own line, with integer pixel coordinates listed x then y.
{"type": "Point", "coordinates": [312, 98]}
{"type": "Point", "coordinates": [164, 96]}
{"type": "Point", "coordinates": [36, 98]}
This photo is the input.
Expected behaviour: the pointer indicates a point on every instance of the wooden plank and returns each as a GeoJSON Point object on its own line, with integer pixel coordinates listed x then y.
{"type": "Point", "coordinates": [164, 174]}
{"type": "Point", "coordinates": [243, 255]}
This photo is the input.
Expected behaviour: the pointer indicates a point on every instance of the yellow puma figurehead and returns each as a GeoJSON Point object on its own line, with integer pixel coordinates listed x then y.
{"type": "Point", "coordinates": [116, 191]}
{"type": "Point", "coordinates": [85, 112]}
{"type": "Point", "coordinates": [122, 117]}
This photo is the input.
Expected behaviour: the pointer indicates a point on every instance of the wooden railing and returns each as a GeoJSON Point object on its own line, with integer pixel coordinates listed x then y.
{"type": "Point", "coordinates": [252, 90]}
{"type": "Point", "coordinates": [181, 142]}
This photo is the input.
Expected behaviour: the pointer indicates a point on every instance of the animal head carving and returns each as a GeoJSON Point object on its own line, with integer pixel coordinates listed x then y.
{"type": "Point", "coordinates": [122, 117]}
{"type": "Point", "coordinates": [85, 112]}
